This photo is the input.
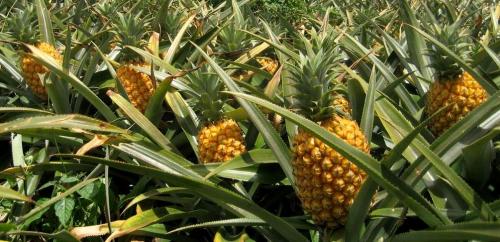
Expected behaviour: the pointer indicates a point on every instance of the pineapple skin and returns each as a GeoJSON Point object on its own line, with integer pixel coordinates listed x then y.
{"type": "Point", "coordinates": [31, 69]}
{"type": "Point", "coordinates": [138, 86]}
{"type": "Point", "coordinates": [270, 65]}
{"type": "Point", "coordinates": [463, 95]}
{"type": "Point", "coordinates": [220, 141]}
{"type": "Point", "coordinates": [327, 182]}
{"type": "Point", "coordinates": [342, 102]}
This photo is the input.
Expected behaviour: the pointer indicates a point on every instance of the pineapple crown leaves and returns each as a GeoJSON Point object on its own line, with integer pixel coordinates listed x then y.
{"type": "Point", "coordinates": [458, 41]}
{"type": "Point", "coordinates": [172, 22]}
{"type": "Point", "coordinates": [21, 24]}
{"type": "Point", "coordinates": [323, 40]}
{"type": "Point", "coordinates": [313, 75]}
{"type": "Point", "coordinates": [204, 91]}
{"type": "Point", "coordinates": [107, 9]}
{"type": "Point", "coordinates": [232, 37]}
{"type": "Point", "coordinates": [130, 30]}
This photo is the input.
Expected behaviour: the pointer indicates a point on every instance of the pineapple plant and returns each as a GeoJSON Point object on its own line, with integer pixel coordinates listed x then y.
{"type": "Point", "coordinates": [453, 87]}
{"type": "Point", "coordinates": [232, 42]}
{"type": "Point", "coordinates": [139, 86]}
{"type": "Point", "coordinates": [327, 182]}
{"type": "Point", "coordinates": [20, 26]}
{"type": "Point", "coordinates": [220, 138]}
{"type": "Point", "coordinates": [150, 178]}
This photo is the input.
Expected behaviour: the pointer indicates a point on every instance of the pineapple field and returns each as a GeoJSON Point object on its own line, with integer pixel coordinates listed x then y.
{"type": "Point", "coordinates": [249, 120]}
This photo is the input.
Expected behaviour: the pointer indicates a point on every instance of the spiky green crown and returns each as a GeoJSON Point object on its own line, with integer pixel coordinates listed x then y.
{"type": "Point", "coordinates": [458, 42]}
{"type": "Point", "coordinates": [107, 8]}
{"type": "Point", "coordinates": [313, 75]}
{"type": "Point", "coordinates": [21, 25]}
{"type": "Point", "coordinates": [130, 30]}
{"type": "Point", "coordinates": [232, 38]}
{"type": "Point", "coordinates": [204, 89]}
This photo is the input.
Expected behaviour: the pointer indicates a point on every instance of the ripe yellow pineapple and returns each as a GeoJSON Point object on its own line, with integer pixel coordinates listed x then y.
{"type": "Point", "coordinates": [220, 141]}
{"type": "Point", "coordinates": [269, 64]}
{"type": "Point", "coordinates": [139, 86]}
{"type": "Point", "coordinates": [453, 88]}
{"type": "Point", "coordinates": [220, 138]}
{"type": "Point", "coordinates": [327, 182]}
{"type": "Point", "coordinates": [31, 69]}
{"type": "Point", "coordinates": [20, 25]}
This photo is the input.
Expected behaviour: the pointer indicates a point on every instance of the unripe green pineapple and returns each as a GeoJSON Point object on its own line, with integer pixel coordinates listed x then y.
{"type": "Point", "coordinates": [139, 86]}
{"type": "Point", "coordinates": [327, 182]}
{"type": "Point", "coordinates": [453, 88]}
{"type": "Point", "coordinates": [219, 139]}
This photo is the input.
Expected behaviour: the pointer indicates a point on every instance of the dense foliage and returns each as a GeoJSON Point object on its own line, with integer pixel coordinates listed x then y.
{"type": "Point", "coordinates": [249, 120]}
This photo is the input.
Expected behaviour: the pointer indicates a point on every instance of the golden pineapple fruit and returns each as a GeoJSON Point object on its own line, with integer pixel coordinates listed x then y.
{"type": "Point", "coordinates": [220, 141]}
{"type": "Point", "coordinates": [462, 94]}
{"type": "Point", "coordinates": [327, 182]}
{"type": "Point", "coordinates": [138, 86]}
{"type": "Point", "coordinates": [31, 69]}
{"type": "Point", "coordinates": [269, 64]}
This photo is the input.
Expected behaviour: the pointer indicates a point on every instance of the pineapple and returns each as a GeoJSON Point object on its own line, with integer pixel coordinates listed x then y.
{"type": "Point", "coordinates": [269, 64]}
{"type": "Point", "coordinates": [20, 25]}
{"type": "Point", "coordinates": [453, 88]}
{"type": "Point", "coordinates": [32, 70]}
{"type": "Point", "coordinates": [340, 101]}
{"type": "Point", "coordinates": [220, 139]}
{"type": "Point", "coordinates": [138, 85]}
{"type": "Point", "coordinates": [327, 182]}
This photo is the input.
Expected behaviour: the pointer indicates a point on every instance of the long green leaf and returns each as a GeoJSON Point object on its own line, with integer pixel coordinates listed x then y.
{"type": "Point", "coordinates": [23, 110]}
{"type": "Point", "coordinates": [416, 45]}
{"type": "Point", "coordinates": [177, 40]}
{"type": "Point", "coordinates": [8, 193]}
{"type": "Point", "coordinates": [142, 121]}
{"type": "Point", "coordinates": [154, 109]}
{"type": "Point", "coordinates": [62, 235]}
{"type": "Point", "coordinates": [44, 22]}
{"type": "Point", "coordinates": [152, 216]}
{"type": "Point", "coordinates": [356, 47]}
{"type": "Point", "coordinates": [185, 117]}
{"type": "Point", "coordinates": [164, 160]}
{"type": "Point", "coordinates": [14, 172]}
{"type": "Point", "coordinates": [71, 121]}
{"type": "Point", "coordinates": [153, 193]}
{"type": "Point", "coordinates": [455, 232]}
